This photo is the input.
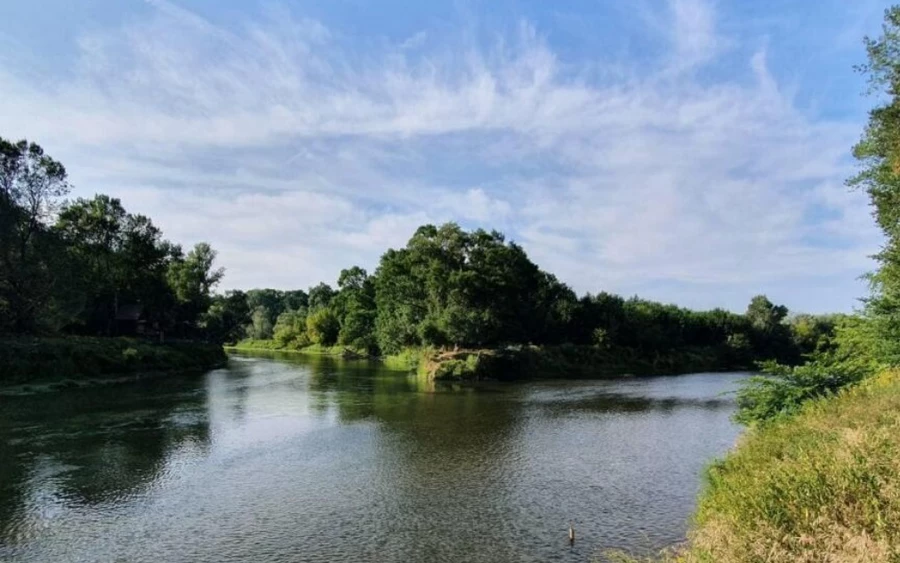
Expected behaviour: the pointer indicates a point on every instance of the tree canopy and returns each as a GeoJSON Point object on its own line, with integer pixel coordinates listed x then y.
{"type": "Point", "coordinates": [452, 288]}
{"type": "Point", "coordinates": [80, 266]}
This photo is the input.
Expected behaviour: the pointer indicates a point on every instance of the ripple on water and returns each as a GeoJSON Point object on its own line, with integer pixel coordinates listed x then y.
{"type": "Point", "coordinates": [278, 461]}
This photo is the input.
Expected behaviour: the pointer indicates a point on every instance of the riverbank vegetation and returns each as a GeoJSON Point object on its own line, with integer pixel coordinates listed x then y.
{"type": "Point", "coordinates": [450, 290]}
{"type": "Point", "coordinates": [88, 268]}
{"type": "Point", "coordinates": [77, 358]}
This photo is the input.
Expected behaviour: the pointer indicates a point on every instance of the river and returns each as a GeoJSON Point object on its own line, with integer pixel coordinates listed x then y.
{"type": "Point", "coordinates": [277, 459]}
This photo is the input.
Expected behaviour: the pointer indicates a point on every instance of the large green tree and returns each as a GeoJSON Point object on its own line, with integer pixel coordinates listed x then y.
{"type": "Point", "coordinates": [354, 306]}
{"type": "Point", "coordinates": [34, 274]}
{"type": "Point", "coordinates": [449, 287]}
{"type": "Point", "coordinates": [226, 317]}
{"type": "Point", "coordinates": [123, 257]}
{"type": "Point", "coordinates": [192, 280]}
{"type": "Point", "coordinates": [878, 152]}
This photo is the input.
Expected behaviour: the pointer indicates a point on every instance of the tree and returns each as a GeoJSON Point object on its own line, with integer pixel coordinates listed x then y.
{"type": "Point", "coordinates": [878, 153]}
{"type": "Point", "coordinates": [30, 182]}
{"type": "Point", "coordinates": [450, 287]}
{"type": "Point", "coordinates": [192, 280]}
{"type": "Point", "coordinates": [763, 315]}
{"type": "Point", "coordinates": [260, 327]}
{"type": "Point", "coordinates": [320, 296]}
{"type": "Point", "coordinates": [31, 185]}
{"type": "Point", "coordinates": [273, 302]}
{"type": "Point", "coordinates": [322, 327]}
{"type": "Point", "coordinates": [225, 320]}
{"type": "Point", "coordinates": [354, 306]}
{"type": "Point", "coordinates": [769, 335]}
{"type": "Point", "coordinates": [123, 260]}
{"type": "Point", "coordinates": [290, 329]}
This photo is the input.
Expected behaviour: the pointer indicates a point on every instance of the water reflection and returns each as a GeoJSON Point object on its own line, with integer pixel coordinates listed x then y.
{"type": "Point", "coordinates": [303, 458]}
{"type": "Point", "coordinates": [86, 447]}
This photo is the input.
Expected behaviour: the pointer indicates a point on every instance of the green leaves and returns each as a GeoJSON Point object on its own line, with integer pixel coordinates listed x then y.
{"type": "Point", "coordinates": [322, 327]}
{"type": "Point", "coordinates": [878, 153]}
{"type": "Point", "coordinates": [786, 389]}
{"type": "Point", "coordinates": [449, 287]}
{"type": "Point", "coordinates": [97, 257]}
{"type": "Point", "coordinates": [31, 185]}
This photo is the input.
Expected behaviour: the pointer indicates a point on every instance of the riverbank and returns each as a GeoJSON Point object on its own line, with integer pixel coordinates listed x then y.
{"type": "Point", "coordinates": [251, 345]}
{"type": "Point", "coordinates": [563, 362]}
{"type": "Point", "coordinates": [516, 363]}
{"type": "Point", "coordinates": [821, 486]}
{"type": "Point", "coordinates": [76, 358]}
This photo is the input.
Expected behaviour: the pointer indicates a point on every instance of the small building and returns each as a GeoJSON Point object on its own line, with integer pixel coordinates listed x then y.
{"type": "Point", "coordinates": [130, 320]}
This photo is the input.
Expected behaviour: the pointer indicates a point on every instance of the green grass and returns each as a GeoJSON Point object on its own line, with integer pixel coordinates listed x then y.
{"type": "Point", "coordinates": [251, 345]}
{"type": "Point", "coordinates": [823, 486]}
{"type": "Point", "coordinates": [408, 359]}
{"type": "Point", "coordinates": [27, 359]}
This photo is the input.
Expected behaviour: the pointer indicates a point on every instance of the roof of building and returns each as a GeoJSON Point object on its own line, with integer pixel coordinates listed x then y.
{"type": "Point", "coordinates": [130, 312]}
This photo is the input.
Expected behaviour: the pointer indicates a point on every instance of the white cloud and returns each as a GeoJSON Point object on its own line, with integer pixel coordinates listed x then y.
{"type": "Point", "coordinates": [297, 152]}
{"type": "Point", "coordinates": [693, 32]}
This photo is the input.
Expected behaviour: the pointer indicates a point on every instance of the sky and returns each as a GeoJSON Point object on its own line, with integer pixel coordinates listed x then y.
{"type": "Point", "coordinates": [687, 151]}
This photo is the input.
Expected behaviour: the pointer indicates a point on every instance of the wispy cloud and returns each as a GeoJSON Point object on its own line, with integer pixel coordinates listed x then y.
{"type": "Point", "coordinates": [296, 152]}
{"type": "Point", "coordinates": [694, 35]}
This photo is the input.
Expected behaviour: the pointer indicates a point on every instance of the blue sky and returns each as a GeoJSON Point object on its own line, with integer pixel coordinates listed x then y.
{"type": "Point", "coordinates": [690, 151]}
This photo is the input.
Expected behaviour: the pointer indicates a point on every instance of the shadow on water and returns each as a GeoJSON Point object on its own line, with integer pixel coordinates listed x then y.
{"type": "Point", "coordinates": [85, 447]}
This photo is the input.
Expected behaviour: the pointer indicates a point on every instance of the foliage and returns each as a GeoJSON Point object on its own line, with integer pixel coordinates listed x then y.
{"type": "Point", "coordinates": [260, 327]}
{"type": "Point", "coordinates": [878, 152]}
{"type": "Point", "coordinates": [290, 330]}
{"type": "Point", "coordinates": [844, 350]}
{"type": "Point", "coordinates": [820, 485]}
{"type": "Point", "coordinates": [34, 274]}
{"type": "Point", "coordinates": [448, 288]}
{"type": "Point", "coordinates": [784, 391]}
{"type": "Point", "coordinates": [78, 267]}
{"type": "Point", "coordinates": [453, 289]}
{"type": "Point", "coordinates": [842, 358]}
{"type": "Point", "coordinates": [224, 320]}
{"type": "Point", "coordinates": [192, 280]}
{"type": "Point", "coordinates": [354, 306]}
{"type": "Point", "coordinates": [322, 327]}
{"type": "Point", "coordinates": [28, 359]}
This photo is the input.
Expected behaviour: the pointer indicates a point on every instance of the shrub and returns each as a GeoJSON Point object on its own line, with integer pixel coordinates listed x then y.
{"type": "Point", "coordinates": [784, 389]}
{"type": "Point", "coordinates": [322, 327]}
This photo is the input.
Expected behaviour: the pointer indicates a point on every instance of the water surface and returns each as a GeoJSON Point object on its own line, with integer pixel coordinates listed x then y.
{"type": "Point", "coordinates": [313, 459]}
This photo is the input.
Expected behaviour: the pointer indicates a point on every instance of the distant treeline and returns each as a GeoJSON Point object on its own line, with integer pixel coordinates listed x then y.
{"type": "Point", "coordinates": [87, 266]}
{"type": "Point", "coordinates": [450, 288]}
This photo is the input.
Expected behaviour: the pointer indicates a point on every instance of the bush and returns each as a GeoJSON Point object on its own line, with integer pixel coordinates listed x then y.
{"type": "Point", "coordinates": [784, 390]}
{"type": "Point", "coordinates": [322, 327]}
{"type": "Point", "coordinates": [28, 359]}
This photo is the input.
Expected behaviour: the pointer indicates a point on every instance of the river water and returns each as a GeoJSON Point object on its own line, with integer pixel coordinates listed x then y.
{"type": "Point", "coordinates": [278, 459]}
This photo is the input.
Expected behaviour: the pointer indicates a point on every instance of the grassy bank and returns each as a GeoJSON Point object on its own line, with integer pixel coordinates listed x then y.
{"type": "Point", "coordinates": [251, 345]}
{"type": "Point", "coordinates": [528, 362]}
{"type": "Point", "coordinates": [24, 360]}
{"type": "Point", "coordinates": [549, 362]}
{"type": "Point", "coordinates": [822, 486]}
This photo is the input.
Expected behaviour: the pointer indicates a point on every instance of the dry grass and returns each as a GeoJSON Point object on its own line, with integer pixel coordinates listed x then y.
{"type": "Point", "coordinates": [823, 487]}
